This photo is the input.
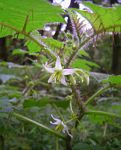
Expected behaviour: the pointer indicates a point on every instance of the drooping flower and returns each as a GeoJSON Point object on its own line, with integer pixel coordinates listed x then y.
{"type": "Point", "coordinates": [60, 126]}
{"type": "Point", "coordinates": [58, 73]}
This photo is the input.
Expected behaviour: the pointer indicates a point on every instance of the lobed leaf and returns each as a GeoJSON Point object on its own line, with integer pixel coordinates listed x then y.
{"type": "Point", "coordinates": [103, 19]}
{"type": "Point", "coordinates": [27, 15]}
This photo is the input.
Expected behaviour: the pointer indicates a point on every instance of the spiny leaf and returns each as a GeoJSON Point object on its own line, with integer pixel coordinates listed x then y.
{"type": "Point", "coordinates": [78, 26]}
{"type": "Point", "coordinates": [103, 19]}
{"type": "Point", "coordinates": [27, 15]}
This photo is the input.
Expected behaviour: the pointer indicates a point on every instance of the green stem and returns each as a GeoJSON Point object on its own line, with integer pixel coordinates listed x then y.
{"type": "Point", "coordinates": [57, 143]}
{"type": "Point", "coordinates": [96, 94]}
{"type": "Point", "coordinates": [71, 120]}
{"type": "Point", "coordinates": [105, 129]}
{"type": "Point", "coordinates": [38, 124]}
{"type": "Point", "coordinates": [103, 113]}
{"type": "Point", "coordinates": [71, 109]}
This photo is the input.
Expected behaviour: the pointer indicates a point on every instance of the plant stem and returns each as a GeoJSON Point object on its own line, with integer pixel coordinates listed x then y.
{"type": "Point", "coordinates": [73, 55]}
{"type": "Point", "coordinates": [38, 124]}
{"type": "Point", "coordinates": [96, 94]}
{"type": "Point", "coordinates": [80, 104]}
{"type": "Point", "coordinates": [71, 109]}
{"type": "Point", "coordinates": [68, 143]}
{"type": "Point", "coordinates": [77, 98]}
{"type": "Point", "coordinates": [57, 143]}
{"type": "Point", "coordinates": [2, 142]}
{"type": "Point", "coordinates": [105, 129]}
{"type": "Point", "coordinates": [71, 120]}
{"type": "Point", "coordinates": [103, 113]}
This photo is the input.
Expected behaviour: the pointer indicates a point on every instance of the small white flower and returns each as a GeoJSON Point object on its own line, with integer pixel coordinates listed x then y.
{"type": "Point", "coordinates": [60, 126]}
{"type": "Point", "coordinates": [58, 73]}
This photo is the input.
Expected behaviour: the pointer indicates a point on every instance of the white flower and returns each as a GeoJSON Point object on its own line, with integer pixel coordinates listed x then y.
{"type": "Point", "coordinates": [60, 126]}
{"type": "Point", "coordinates": [58, 73]}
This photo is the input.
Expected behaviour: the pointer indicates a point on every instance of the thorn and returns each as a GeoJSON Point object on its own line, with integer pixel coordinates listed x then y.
{"type": "Point", "coordinates": [25, 24]}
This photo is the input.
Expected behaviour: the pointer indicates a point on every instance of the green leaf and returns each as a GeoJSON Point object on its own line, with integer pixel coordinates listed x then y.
{"type": "Point", "coordinates": [27, 15]}
{"type": "Point", "coordinates": [44, 101]}
{"type": "Point", "coordinates": [83, 53]}
{"type": "Point", "coordinates": [82, 146]}
{"type": "Point", "coordinates": [6, 77]}
{"type": "Point", "coordinates": [5, 105]}
{"type": "Point", "coordinates": [83, 64]}
{"type": "Point", "coordinates": [50, 42]}
{"type": "Point", "coordinates": [113, 80]}
{"type": "Point", "coordinates": [103, 18]}
{"type": "Point", "coordinates": [57, 46]}
{"type": "Point", "coordinates": [53, 44]}
{"type": "Point", "coordinates": [10, 91]}
{"type": "Point", "coordinates": [19, 52]}
{"type": "Point", "coordinates": [32, 47]}
{"type": "Point", "coordinates": [98, 119]}
{"type": "Point", "coordinates": [5, 31]}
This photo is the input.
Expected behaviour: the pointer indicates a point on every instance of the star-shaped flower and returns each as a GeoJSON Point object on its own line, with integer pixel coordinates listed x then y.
{"type": "Point", "coordinates": [60, 126]}
{"type": "Point", "coordinates": [58, 73]}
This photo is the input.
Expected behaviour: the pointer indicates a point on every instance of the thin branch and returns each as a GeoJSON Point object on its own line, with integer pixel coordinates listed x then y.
{"type": "Point", "coordinates": [57, 143]}
{"type": "Point", "coordinates": [38, 124]}
{"type": "Point", "coordinates": [78, 98]}
{"type": "Point", "coordinates": [96, 94]}
{"type": "Point", "coordinates": [102, 113]}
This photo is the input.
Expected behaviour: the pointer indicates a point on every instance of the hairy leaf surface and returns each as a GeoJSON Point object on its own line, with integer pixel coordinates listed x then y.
{"type": "Point", "coordinates": [27, 15]}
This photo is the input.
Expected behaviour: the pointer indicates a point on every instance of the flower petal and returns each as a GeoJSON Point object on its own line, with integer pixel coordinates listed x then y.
{"type": "Point", "coordinates": [58, 64]}
{"type": "Point", "coordinates": [48, 69]}
{"type": "Point", "coordinates": [87, 80]}
{"type": "Point", "coordinates": [55, 118]}
{"type": "Point", "coordinates": [69, 134]}
{"type": "Point", "coordinates": [57, 121]}
{"type": "Point", "coordinates": [54, 123]}
{"type": "Point", "coordinates": [68, 71]}
{"type": "Point", "coordinates": [65, 130]}
{"type": "Point", "coordinates": [63, 80]}
{"type": "Point", "coordinates": [51, 79]}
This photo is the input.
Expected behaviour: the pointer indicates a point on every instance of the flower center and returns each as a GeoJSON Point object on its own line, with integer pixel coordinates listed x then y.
{"type": "Point", "coordinates": [59, 127]}
{"type": "Point", "coordinates": [58, 75]}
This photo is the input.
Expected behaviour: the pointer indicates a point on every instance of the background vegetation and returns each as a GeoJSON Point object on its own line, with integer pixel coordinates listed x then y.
{"type": "Point", "coordinates": [92, 112]}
